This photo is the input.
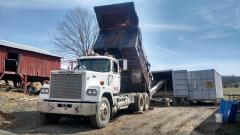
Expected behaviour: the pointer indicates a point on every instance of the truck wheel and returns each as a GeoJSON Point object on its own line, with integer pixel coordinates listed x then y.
{"type": "Point", "coordinates": [102, 117]}
{"type": "Point", "coordinates": [146, 101]}
{"type": "Point", "coordinates": [48, 118]}
{"type": "Point", "coordinates": [131, 108]}
{"type": "Point", "coordinates": [139, 102]}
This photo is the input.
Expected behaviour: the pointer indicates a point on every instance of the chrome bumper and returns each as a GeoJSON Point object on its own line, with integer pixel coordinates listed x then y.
{"type": "Point", "coordinates": [84, 109]}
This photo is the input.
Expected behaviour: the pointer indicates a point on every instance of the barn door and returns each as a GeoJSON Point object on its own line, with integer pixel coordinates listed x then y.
{"type": "Point", "coordinates": [12, 62]}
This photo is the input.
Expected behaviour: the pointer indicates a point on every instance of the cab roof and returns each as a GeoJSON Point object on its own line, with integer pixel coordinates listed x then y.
{"type": "Point", "coordinates": [97, 57]}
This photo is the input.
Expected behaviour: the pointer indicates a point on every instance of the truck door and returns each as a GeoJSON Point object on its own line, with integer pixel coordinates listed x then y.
{"type": "Point", "coordinates": [115, 78]}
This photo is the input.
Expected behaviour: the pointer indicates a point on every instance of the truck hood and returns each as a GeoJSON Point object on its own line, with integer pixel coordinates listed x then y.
{"type": "Point", "coordinates": [76, 72]}
{"type": "Point", "coordinates": [91, 77]}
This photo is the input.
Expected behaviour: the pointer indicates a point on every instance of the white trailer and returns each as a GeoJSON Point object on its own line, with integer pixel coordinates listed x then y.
{"type": "Point", "coordinates": [205, 85]}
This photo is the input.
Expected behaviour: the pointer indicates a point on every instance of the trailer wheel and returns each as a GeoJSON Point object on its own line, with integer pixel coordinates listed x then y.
{"type": "Point", "coordinates": [174, 103]}
{"type": "Point", "coordinates": [146, 101]}
{"type": "Point", "coordinates": [139, 102]}
{"type": "Point", "coordinates": [48, 118]}
{"type": "Point", "coordinates": [167, 102]}
{"type": "Point", "coordinates": [102, 117]}
{"type": "Point", "coordinates": [190, 102]}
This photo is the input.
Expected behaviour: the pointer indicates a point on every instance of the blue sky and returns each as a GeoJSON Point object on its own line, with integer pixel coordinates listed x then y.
{"type": "Point", "coordinates": [177, 34]}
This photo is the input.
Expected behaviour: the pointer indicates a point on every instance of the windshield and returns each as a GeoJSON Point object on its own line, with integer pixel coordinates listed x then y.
{"type": "Point", "coordinates": [98, 65]}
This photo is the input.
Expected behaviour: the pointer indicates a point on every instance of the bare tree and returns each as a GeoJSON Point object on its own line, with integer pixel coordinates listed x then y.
{"type": "Point", "coordinates": [76, 33]}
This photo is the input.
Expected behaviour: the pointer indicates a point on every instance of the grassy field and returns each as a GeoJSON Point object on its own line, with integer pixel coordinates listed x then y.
{"type": "Point", "coordinates": [231, 90]}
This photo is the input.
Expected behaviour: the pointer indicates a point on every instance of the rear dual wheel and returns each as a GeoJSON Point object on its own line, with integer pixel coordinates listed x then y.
{"type": "Point", "coordinates": [146, 101]}
{"type": "Point", "coordinates": [141, 103]}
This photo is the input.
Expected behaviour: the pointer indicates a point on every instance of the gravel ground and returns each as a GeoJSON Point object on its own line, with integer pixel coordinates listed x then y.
{"type": "Point", "coordinates": [18, 115]}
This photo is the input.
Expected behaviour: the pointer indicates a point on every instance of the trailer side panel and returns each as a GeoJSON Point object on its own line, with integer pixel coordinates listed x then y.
{"type": "Point", "coordinates": [180, 83]}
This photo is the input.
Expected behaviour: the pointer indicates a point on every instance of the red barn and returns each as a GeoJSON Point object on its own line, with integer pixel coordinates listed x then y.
{"type": "Point", "coordinates": [21, 63]}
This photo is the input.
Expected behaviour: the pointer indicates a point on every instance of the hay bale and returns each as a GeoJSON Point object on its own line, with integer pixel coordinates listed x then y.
{"type": "Point", "coordinates": [37, 85]}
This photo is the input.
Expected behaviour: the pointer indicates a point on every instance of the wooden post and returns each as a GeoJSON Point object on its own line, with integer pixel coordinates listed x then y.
{"type": "Point", "coordinates": [71, 65]}
{"type": "Point", "coordinates": [25, 84]}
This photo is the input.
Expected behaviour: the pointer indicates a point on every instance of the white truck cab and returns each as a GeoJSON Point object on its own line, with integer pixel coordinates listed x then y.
{"type": "Point", "coordinates": [91, 89]}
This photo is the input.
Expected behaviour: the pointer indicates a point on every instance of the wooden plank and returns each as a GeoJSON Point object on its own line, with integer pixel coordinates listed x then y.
{"type": "Point", "coordinates": [38, 65]}
{"type": "Point", "coordinates": [25, 84]}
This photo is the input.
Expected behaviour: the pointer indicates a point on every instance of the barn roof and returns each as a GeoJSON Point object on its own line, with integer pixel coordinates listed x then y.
{"type": "Point", "coordinates": [26, 48]}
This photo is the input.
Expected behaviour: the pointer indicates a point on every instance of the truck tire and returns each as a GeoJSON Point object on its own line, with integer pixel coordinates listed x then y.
{"type": "Point", "coordinates": [146, 101]}
{"type": "Point", "coordinates": [131, 108]}
{"type": "Point", "coordinates": [102, 117]}
{"type": "Point", "coordinates": [139, 102]}
{"type": "Point", "coordinates": [48, 118]}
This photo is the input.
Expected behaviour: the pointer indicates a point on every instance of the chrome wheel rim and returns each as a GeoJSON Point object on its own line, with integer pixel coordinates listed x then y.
{"type": "Point", "coordinates": [103, 111]}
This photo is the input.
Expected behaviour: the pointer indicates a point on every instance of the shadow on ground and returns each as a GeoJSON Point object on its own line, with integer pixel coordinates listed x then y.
{"type": "Point", "coordinates": [162, 104]}
{"type": "Point", "coordinates": [28, 122]}
{"type": "Point", "coordinates": [210, 127]}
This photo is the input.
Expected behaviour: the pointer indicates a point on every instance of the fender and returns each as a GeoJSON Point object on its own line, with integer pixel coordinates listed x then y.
{"type": "Point", "coordinates": [105, 92]}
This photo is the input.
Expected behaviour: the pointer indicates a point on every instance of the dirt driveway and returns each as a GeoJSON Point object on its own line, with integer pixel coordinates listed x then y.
{"type": "Point", "coordinates": [18, 116]}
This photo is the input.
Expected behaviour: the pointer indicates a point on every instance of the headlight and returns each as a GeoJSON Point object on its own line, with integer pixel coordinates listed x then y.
{"type": "Point", "coordinates": [92, 92]}
{"type": "Point", "coordinates": [45, 90]}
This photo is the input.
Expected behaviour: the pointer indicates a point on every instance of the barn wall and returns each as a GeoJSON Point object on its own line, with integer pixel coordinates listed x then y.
{"type": "Point", "coordinates": [2, 58]}
{"type": "Point", "coordinates": [33, 64]}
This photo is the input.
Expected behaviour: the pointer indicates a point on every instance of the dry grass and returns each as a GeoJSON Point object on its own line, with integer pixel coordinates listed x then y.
{"type": "Point", "coordinates": [231, 90]}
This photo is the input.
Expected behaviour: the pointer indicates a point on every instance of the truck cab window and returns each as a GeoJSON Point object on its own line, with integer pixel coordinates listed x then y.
{"type": "Point", "coordinates": [98, 65]}
{"type": "Point", "coordinates": [115, 67]}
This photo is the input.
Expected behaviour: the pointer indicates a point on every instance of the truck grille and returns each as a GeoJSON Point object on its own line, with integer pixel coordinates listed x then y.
{"type": "Point", "coordinates": [68, 86]}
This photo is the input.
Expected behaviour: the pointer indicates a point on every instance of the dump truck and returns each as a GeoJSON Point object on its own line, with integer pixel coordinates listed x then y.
{"type": "Point", "coordinates": [117, 77]}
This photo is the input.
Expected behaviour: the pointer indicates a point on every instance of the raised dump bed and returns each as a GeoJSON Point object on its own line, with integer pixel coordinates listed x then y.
{"type": "Point", "coordinates": [205, 85]}
{"type": "Point", "coordinates": [120, 36]}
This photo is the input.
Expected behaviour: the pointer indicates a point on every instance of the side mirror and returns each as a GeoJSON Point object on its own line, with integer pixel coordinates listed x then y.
{"type": "Point", "coordinates": [123, 64]}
